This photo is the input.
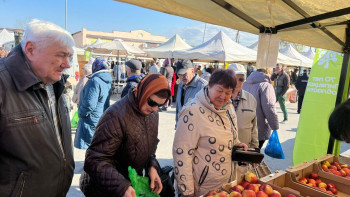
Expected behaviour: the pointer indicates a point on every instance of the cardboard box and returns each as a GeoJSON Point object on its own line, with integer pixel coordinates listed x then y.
{"type": "Point", "coordinates": [330, 176]}
{"type": "Point", "coordinates": [283, 192]}
{"type": "Point", "coordinates": [285, 181]}
{"type": "Point", "coordinates": [306, 168]}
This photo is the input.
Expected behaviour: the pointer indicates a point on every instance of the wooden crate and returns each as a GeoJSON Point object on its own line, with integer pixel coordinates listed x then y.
{"type": "Point", "coordinates": [306, 168]}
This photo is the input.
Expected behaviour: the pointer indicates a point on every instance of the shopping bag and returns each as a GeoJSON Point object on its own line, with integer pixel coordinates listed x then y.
{"type": "Point", "coordinates": [274, 148]}
{"type": "Point", "coordinates": [140, 184]}
{"type": "Point", "coordinates": [75, 120]}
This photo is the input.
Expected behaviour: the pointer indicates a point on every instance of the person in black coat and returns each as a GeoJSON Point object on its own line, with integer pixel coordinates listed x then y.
{"type": "Point", "coordinates": [300, 85]}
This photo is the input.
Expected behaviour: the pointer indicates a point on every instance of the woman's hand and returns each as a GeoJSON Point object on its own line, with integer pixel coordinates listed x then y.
{"type": "Point", "coordinates": [130, 192]}
{"type": "Point", "coordinates": [156, 183]}
{"type": "Point", "coordinates": [245, 147]}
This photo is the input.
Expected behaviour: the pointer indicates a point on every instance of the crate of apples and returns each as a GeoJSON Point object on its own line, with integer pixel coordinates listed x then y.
{"type": "Point", "coordinates": [314, 181]}
{"type": "Point", "coordinates": [249, 187]}
{"type": "Point", "coordinates": [342, 170]}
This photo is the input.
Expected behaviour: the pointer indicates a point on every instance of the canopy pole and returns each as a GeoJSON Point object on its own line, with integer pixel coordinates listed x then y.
{"type": "Point", "coordinates": [342, 80]}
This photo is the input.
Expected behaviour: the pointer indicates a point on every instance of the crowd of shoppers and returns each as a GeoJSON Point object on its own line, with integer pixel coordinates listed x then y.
{"type": "Point", "coordinates": [215, 110]}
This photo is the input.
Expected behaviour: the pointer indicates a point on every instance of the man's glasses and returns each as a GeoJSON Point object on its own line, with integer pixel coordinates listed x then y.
{"type": "Point", "coordinates": [152, 103]}
{"type": "Point", "coordinates": [241, 79]}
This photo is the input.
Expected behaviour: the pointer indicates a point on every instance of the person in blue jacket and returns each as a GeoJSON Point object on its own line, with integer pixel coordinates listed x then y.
{"type": "Point", "coordinates": [94, 100]}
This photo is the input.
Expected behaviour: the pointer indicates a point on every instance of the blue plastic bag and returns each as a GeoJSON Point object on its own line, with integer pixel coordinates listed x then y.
{"type": "Point", "coordinates": [274, 148]}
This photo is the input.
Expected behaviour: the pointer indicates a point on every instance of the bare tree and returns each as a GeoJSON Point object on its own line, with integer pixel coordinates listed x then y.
{"type": "Point", "coordinates": [21, 24]}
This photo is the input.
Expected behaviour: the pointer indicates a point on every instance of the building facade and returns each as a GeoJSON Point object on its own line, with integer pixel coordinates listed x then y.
{"type": "Point", "coordinates": [137, 38]}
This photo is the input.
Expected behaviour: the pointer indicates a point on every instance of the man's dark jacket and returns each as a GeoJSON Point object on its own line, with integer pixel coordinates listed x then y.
{"type": "Point", "coordinates": [301, 84]}
{"type": "Point", "coordinates": [131, 84]}
{"type": "Point", "coordinates": [31, 160]}
{"type": "Point", "coordinates": [123, 137]}
{"type": "Point", "coordinates": [281, 83]}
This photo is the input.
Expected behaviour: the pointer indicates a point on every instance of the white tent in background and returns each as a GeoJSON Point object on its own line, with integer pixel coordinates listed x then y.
{"type": "Point", "coordinates": [282, 59]}
{"type": "Point", "coordinates": [166, 49]}
{"type": "Point", "coordinates": [5, 36]}
{"type": "Point", "coordinates": [219, 48]}
{"type": "Point", "coordinates": [291, 52]}
{"type": "Point", "coordinates": [97, 42]}
{"type": "Point", "coordinates": [309, 54]}
{"type": "Point", "coordinates": [254, 46]}
{"type": "Point", "coordinates": [117, 47]}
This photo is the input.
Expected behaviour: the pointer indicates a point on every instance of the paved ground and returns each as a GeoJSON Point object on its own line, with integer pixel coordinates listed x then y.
{"type": "Point", "coordinates": [166, 135]}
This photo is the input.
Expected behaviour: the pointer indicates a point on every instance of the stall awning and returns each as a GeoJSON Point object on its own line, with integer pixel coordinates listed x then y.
{"type": "Point", "coordinates": [318, 24]}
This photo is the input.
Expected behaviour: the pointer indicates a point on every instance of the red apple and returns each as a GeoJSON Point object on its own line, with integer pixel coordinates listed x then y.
{"type": "Point", "coordinates": [235, 194]}
{"type": "Point", "coordinates": [318, 181]}
{"type": "Point", "coordinates": [237, 188]}
{"type": "Point", "coordinates": [303, 180]}
{"type": "Point", "coordinates": [322, 188]}
{"type": "Point", "coordinates": [266, 188]}
{"type": "Point", "coordinates": [244, 184]}
{"type": "Point", "coordinates": [254, 187]}
{"type": "Point", "coordinates": [329, 185]}
{"type": "Point", "coordinates": [275, 195]}
{"type": "Point", "coordinates": [222, 194]}
{"type": "Point", "coordinates": [333, 167]}
{"type": "Point", "coordinates": [251, 177]}
{"type": "Point", "coordinates": [342, 173]}
{"type": "Point", "coordinates": [344, 166]}
{"type": "Point", "coordinates": [261, 194]}
{"type": "Point", "coordinates": [248, 193]}
{"type": "Point", "coordinates": [333, 190]}
{"type": "Point", "coordinates": [211, 193]}
{"type": "Point", "coordinates": [322, 185]}
{"type": "Point", "coordinates": [346, 170]}
{"type": "Point", "coordinates": [329, 192]}
{"type": "Point", "coordinates": [314, 175]}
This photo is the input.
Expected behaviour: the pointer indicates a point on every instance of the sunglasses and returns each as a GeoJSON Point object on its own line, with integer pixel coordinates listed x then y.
{"type": "Point", "coordinates": [241, 79]}
{"type": "Point", "coordinates": [152, 103]}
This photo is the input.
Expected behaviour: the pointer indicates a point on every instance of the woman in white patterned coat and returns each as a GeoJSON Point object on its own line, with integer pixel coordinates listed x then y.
{"type": "Point", "coordinates": [205, 136]}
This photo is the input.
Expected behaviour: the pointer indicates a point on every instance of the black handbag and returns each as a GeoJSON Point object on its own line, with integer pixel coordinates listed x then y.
{"type": "Point", "coordinates": [167, 182]}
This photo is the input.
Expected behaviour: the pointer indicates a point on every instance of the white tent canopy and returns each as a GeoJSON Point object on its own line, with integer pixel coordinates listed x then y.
{"type": "Point", "coordinates": [309, 54]}
{"type": "Point", "coordinates": [219, 48]}
{"type": "Point", "coordinates": [5, 36]}
{"type": "Point", "coordinates": [291, 52]}
{"type": "Point", "coordinates": [116, 46]}
{"type": "Point", "coordinates": [166, 49]}
{"type": "Point", "coordinates": [282, 59]}
{"type": "Point", "coordinates": [91, 46]}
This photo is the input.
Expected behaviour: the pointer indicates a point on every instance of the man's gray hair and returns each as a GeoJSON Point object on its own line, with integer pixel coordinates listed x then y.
{"type": "Point", "coordinates": [44, 32]}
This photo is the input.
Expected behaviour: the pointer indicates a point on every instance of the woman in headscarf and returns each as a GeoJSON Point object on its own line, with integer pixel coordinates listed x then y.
{"type": "Point", "coordinates": [126, 136]}
{"type": "Point", "coordinates": [93, 101]}
{"type": "Point", "coordinates": [205, 135]}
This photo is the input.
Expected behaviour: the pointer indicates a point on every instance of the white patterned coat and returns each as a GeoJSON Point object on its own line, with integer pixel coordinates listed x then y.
{"type": "Point", "coordinates": [202, 146]}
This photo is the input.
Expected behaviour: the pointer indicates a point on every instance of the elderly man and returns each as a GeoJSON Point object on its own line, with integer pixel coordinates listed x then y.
{"type": "Point", "coordinates": [36, 157]}
{"type": "Point", "coordinates": [281, 84]}
{"type": "Point", "coordinates": [245, 107]}
{"type": "Point", "coordinates": [133, 71]}
{"type": "Point", "coordinates": [189, 85]}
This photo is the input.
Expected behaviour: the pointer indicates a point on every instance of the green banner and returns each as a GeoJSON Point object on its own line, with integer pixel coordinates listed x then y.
{"type": "Point", "coordinates": [87, 55]}
{"type": "Point", "coordinates": [312, 137]}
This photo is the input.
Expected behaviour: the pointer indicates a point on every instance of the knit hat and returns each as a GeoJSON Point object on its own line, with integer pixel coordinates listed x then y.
{"type": "Point", "coordinates": [134, 64]}
{"type": "Point", "coordinates": [238, 68]}
{"type": "Point", "coordinates": [99, 64]}
{"type": "Point", "coordinates": [149, 85]}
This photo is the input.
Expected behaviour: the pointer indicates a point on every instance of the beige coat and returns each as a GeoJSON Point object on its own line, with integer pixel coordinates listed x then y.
{"type": "Point", "coordinates": [203, 146]}
{"type": "Point", "coordinates": [247, 121]}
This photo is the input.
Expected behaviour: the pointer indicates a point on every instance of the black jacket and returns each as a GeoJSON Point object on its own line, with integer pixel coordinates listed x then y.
{"type": "Point", "coordinates": [123, 137]}
{"type": "Point", "coordinates": [301, 84]}
{"type": "Point", "coordinates": [131, 84]}
{"type": "Point", "coordinates": [31, 160]}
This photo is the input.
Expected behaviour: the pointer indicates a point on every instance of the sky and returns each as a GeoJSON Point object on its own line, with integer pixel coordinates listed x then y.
{"type": "Point", "coordinates": [108, 16]}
